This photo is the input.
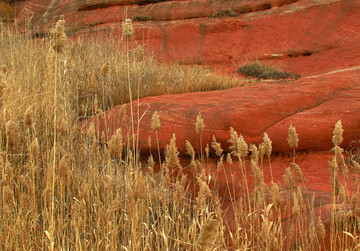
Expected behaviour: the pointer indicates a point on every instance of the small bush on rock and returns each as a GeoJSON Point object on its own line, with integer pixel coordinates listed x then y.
{"type": "Point", "coordinates": [141, 18]}
{"type": "Point", "coordinates": [265, 71]}
{"type": "Point", "coordinates": [225, 13]}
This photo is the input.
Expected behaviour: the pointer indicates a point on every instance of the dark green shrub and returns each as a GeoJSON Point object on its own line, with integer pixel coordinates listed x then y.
{"type": "Point", "coordinates": [225, 13]}
{"type": "Point", "coordinates": [141, 18]}
{"type": "Point", "coordinates": [265, 71]}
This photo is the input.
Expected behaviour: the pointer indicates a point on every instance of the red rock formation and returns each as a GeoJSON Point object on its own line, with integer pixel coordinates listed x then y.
{"type": "Point", "coordinates": [304, 36]}
{"type": "Point", "coordinates": [313, 105]}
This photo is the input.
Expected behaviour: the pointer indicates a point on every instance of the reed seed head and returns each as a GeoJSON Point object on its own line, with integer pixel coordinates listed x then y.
{"type": "Point", "coordinates": [203, 195]}
{"type": "Point", "coordinates": [60, 39]}
{"type": "Point", "coordinates": [172, 160]}
{"type": "Point", "coordinates": [64, 169]}
{"type": "Point", "coordinates": [140, 187]}
{"type": "Point", "coordinates": [105, 70]}
{"type": "Point", "coordinates": [220, 164]}
{"type": "Point", "coordinates": [258, 175]}
{"type": "Point", "coordinates": [116, 145]}
{"type": "Point", "coordinates": [139, 53]}
{"type": "Point", "coordinates": [216, 146]}
{"type": "Point", "coordinates": [261, 151]}
{"type": "Point", "coordinates": [337, 134]}
{"type": "Point", "coordinates": [155, 121]}
{"type": "Point", "coordinates": [190, 150]}
{"type": "Point", "coordinates": [229, 159]}
{"type": "Point", "coordinates": [268, 145]}
{"type": "Point", "coordinates": [320, 229]}
{"type": "Point", "coordinates": [238, 147]}
{"type": "Point", "coordinates": [29, 116]}
{"type": "Point", "coordinates": [288, 179]}
{"type": "Point", "coordinates": [254, 153]}
{"type": "Point", "coordinates": [298, 172]}
{"type": "Point", "coordinates": [199, 124]}
{"type": "Point", "coordinates": [94, 82]}
{"type": "Point", "coordinates": [128, 28]}
{"type": "Point", "coordinates": [12, 130]}
{"type": "Point", "coordinates": [208, 235]}
{"type": "Point", "coordinates": [179, 192]}
{"type": "Point", "coordinates": [207, 150]}
{"type": "Point", "coordinates": [276, 195]}
{"type": "Point", "coordinates": [34, 148]}
{"type": "Point", "coordinates": [122, 113]}
{"type": "Point", "coordinates": [292, 138]}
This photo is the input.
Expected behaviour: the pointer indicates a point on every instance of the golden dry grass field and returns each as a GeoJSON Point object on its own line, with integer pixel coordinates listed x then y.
{"type": "Point", "coordinates": [67, 190]}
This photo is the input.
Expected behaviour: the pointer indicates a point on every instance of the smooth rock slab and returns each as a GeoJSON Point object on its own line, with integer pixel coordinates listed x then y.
{"type": "Point", "coordinates": [312, 105]}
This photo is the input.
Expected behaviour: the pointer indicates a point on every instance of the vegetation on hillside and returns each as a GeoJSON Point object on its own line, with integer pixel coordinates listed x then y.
{"type": "Point", "coordinates": [63, 189]}
{"type": "Point", "coordinates": [264, 71]}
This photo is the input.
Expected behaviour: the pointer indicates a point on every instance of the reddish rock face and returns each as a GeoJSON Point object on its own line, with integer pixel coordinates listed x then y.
{"type": "Point", "coordinates": [305, 36]}
{"type": "Point", "coordinates": [313, 105]}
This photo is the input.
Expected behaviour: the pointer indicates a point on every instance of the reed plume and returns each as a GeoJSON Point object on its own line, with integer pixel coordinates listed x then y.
{"type": "Point", "coordinates": [13, 131]}
{"type": "Point", "coordinates": [116, 145]}
{"type": "Point", "coordinates": [172, 160]}
{"type": "Point", "coordinates": [155, 121]}
{"type": "Point", "coordinates": [288, 179]}
{"type": "Point", "coordinates": [199, 125]}
{"type": "Point", "coordinates": [267, 150]}
{"type": "Point", "coordinates": [238, 147]}
{"type": "Point", "coordinates": [203, 195]}
{"type": "Point", "coordinates": [128, 29]}
{"type": "Point", "coordinates": [299, 175]}
{"type": "Point", "coordinates": [320, 229]}
{"type": "Point", "coordinates": [276, 195]}
{"type": "Point", "coordinates": [254, 153]}
{"type": "Point", "coordinates": [139, 53]}
{"type": "Point", "coordinates": [34, 148]}
{"type": "Point", "coordinates": [208, 234]}
{"type": "Point", "coordinates": [60, 39]}
{"type": "Point", "coordinates": [29, 116]}
{"type": "Point", "coordinates": [337, 134]}
{"type": "Point", "coordinates": [216, 146]}
{"type": "Point", "coordinates": [105, 70]}
{"type": "Point", "coordinates": [229, 159]}
{"type": "Point", "coordinates": [293, 139]}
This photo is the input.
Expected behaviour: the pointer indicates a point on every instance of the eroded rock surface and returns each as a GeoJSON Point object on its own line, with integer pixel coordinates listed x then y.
{"type": "Point", "coordinates": [305, 36]}
{"type": "Point", "coordinates": [313, 105]}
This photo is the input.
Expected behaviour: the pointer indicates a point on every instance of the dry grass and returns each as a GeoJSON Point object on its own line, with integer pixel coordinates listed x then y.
{"type": "Point", "coordinates": [8, 10]}
{"type": "Point", "coordinates": [62, 189]}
